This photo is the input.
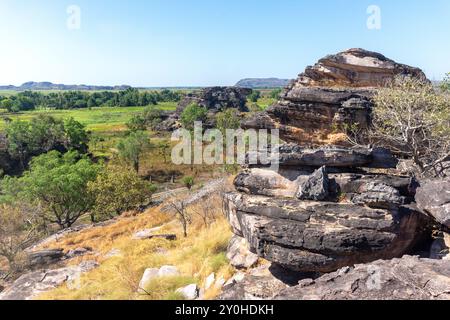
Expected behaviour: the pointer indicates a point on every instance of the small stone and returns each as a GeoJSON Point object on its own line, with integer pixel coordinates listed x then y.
{"type": "Point", "coordinates": [189, 292]}
{"type": "Point", "coordinates": [145, 234]}
{"type": "Point", "coordinates": [209, 281]}
{"type": "Point", "coordinates": [149, 275]}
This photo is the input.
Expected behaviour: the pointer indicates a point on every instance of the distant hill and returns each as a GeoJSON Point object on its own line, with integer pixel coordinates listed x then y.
{"type": "Point", "coordinates": [52, 86]}
{"type": "Point", "coordinates": [256, 83]}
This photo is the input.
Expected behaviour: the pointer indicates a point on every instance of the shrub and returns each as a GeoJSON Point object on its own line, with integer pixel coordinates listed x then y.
{"type": "Point", "coordinates": [412, 119]}
{"type": "Point", "coordinates": [191, 114]}
{"type": "Point", "coordinates": [116, 190]}
{"type": "Point", "coordinates": [18, 231]}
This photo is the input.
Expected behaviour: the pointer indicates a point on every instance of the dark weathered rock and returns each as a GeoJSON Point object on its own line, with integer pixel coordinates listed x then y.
{"type": "Point", "coordinates": [330, 156]}
{"type": "Point", "coordinates": [440, 248]}
{"type": "Point", "coordinates": [45, 257]}
{"type": "Point", "coordinates": [217, 99]}
{"type": "Point", "coordinates": [433, 197]}
{"type": "Point", "coordinates": [378, 195]}
{"type": "Point", "coordinates": [322, 237]}
{"type": "Point", "coordinates": [315, 187]}
{"type": "Point", "coordinates": [335, 92]}
{"type": "Point", "coordinates": [408, 278]}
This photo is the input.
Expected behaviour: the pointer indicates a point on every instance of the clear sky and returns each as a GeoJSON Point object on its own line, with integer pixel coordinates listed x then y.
{"type": "Point", "coordinates": [209, 42]}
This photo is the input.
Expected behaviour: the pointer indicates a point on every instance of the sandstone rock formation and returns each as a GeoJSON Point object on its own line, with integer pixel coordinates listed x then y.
{"type": "Point", "coordinates": [335, 92]}
{"type": "Point", "coordinates": [30, 285]}
{"type": "Point", "coordinates": [408, 278]}
{"type": "Point", "coordinates": [433, 197]}
{"type": "Point", "coordinates": [217, 99]}
{"type": "Point", "coordinates": [309, 217]}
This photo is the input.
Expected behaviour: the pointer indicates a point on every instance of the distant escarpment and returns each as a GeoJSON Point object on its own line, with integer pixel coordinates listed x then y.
{"type": "Point", "coordinates": [258, 83]}
{"type": "Point", "coordinates": [335, 92]}
{"type": "Point", "coordinates": [31, 85]}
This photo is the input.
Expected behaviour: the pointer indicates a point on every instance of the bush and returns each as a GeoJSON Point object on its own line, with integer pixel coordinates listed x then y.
{"type": "Point", "coordinates": [116, 190]}
{"type": "Point", "coordinates": [17, 232]}
{"type": "Point", "coordinates": [133, 147]}
{"type": "Point", "coordinates": [188, 182]}
{"type": "Point", "coordinates": [228, 119]}
{"type": "Point", "coordinates": [254, 96]}
{"type": "Point", "coordinates": [412, 119]}
{"type": "Point", "coordinates": [191, 114]}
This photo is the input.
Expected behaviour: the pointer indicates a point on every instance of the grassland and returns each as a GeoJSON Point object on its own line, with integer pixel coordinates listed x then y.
{"type": "Point", "coordinates": [102, 119]}
{"type": "Point", "coordinates": [117, 277]}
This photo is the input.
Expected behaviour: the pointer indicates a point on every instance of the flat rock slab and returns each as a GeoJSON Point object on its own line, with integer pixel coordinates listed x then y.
{"type": "Point", "coordinates": [30, 285]}
{"type": "Point", "coordinates": [330, 156]}
{"type": "Point", "coordinates": [310, 236]}
{"type": "Point", "coordinates": [408, 278]}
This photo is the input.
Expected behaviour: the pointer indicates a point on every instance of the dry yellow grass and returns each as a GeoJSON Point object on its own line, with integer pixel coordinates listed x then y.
{"type": "Point", "coordinates": [196, 257]}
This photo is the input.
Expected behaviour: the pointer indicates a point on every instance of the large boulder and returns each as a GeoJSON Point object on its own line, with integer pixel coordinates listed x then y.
{"type": "Point", "coordinates": [335, 92]}
{"type": "Point", "coordinates": [217, 99]}
{"type": "Point", "coordinates": [311, 236]}
{"type": "Point", "coordinates": [408, 278]}
{"type": "Point", "coordinates": [433, 197]}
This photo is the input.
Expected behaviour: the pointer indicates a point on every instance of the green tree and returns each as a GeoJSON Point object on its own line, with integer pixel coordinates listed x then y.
{"type": "Point", "coordinates": [137, 123]}
{"type": "Point", "coordinates": [76, 135]}
{"type": "Point", "coordinates": [133, 147]}
{"type": "Point", "coordinates": [275, 94]}
{"type": "Point", "coordinates": [163, 148]}
{"type": "Point", "coordinates": [7, 104]}
{"type": "Point", "coordinates": [59, 183]}
{"type": "Point", "coordinates": [20, 141]}
{"type": "Point", "coordinates": [42, 134]}
{"type": "Point", "coordinates": [228, 119]}
{"type": "Point", "coordinates": [254, 96]}
{"type": "Point", "coordinates": [191, 114]}
{"type": "Point", "coordinates": [116, 190]}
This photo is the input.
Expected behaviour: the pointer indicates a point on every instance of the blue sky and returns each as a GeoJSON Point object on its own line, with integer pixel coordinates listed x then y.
{"type": "Point", "coordinates": [215, 42]}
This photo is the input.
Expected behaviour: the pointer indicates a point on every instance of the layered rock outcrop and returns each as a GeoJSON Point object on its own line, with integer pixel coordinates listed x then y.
{"type": "Point", "coordinates": [217, 99]}
{"type": "Point", "coordinates": [214, 99]}
{"type": "Point", "coordinates": [321, 211]}
{"type": "Point", "coordinates": [408, 278]}
{"type": "Point", "coordinates": [335, 92]}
